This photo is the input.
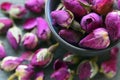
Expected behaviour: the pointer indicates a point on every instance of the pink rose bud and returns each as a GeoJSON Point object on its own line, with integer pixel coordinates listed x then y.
{"type": "Point", "coordinates": [5, 24]}
{"type": "Point", "coordinates": [30, 41]}
{"type": "Point", "coordinates": [30, 23]}
{"type": "Point", "coordinates": [43, 56]}
{"type": "Point", "coordinates": [14, 37]}
{"type": "Point", "coordinates": [91, 21]}
{"type": "Point", "coordinates": [99, 37]}
{"type": "Point", "coordinates": [35, 6]}
{"type": "Point", "coordinates": [87, 69]}
{"type": "Point", "coordinates": [5, 6]}
{"type": "Point", "coordinates": [112, 22]}
{"type": "Point", "coordinates": [43, 30]}
{"type": "Point", "coordinates": [102, 6]}
{"type": "Point", "coordinates": [10, 63]}
{"type": "Point", "coordinates": [70, 35]}
{"type": "Point", "coordinates": [23, 72]}
{"type": "Point", "coordinates": [17, 12]}
{"type": "Point", "coordinates": [75, 7]}
{"type": "Point", "coordinates": [39, 76]}
{"type": "Point", "coordinates": [27, 55]}
{"type": "Point", "coordinates": [2, 51]}
{"type": "Point", "coordinates": [62, 18]}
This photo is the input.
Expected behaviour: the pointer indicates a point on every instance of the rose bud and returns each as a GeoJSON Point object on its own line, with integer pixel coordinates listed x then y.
{"type": "Point", "coordinates": [23, 72]}
{"type": "Point", "coordinates": [30, 41]}
{"type": "Point", "coordinates": [43, 30]}
{"type": "Point", "coordinates": [17, 12]}
{"type": "Point", "coordinates": [5, 7]}
{"type": "Point", "coordinates": [62, 74]}
{"type": "Point", "coordinates": [112, 22]}
{"type": "Point", "coordinates": [102, 6]}
{"type": "Point", "coordinates": [14, 37]}
{"type": "Point", "coordinates": [35, 6]}
{"type": "Point", "coordinates": [70, 36]}
{"type": "Point", "coordinates": [87, 69]}
{"type": "Point", "coordinates": [27, 55]}
{"type": "Point", "coordinates": [64, 21]}
{"type": "Point", "coordinates": [29, 24]}
{"type": "Point", "coordinates": [91, 22]}
{"type": "Point", "coordinates": [43, 56]}
{"type": "Point", "coordinates": [75, 7]}
{"type": "Point", "coordinates": [2, 51]}
{"type": "Point", "coordinates": [99, 37]}
{"type": "Point", "coordinates": [39, 76]}
{"type": "Point", "coordinates": [10, 63]}
{"type": "Point", "coordinates": [5, 24]}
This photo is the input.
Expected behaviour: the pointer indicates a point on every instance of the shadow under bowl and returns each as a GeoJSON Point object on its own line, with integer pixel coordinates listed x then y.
{"type": "Point", "coordinates": [52, 5]}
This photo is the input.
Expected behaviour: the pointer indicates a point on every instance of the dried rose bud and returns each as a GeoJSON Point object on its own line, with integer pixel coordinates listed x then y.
{"type": "Point", "coordinates": [87, 69]}
{"type": "Point", "coordinates": [2, 51]}
{"type": "Point", "coordinates": [5, 6]}
{"type": "Point", "coordinates": [23, 72]}
{"type": "Point", "coordinates": [91, 21]}
{"type": "Point", "coordinates": [99, 37]}
{"type": "Point", "coordinates": [112, 22]}
{"type": "Point", "coordinates": [75, 7]}
{"type": "Point", "coordinates": [30, 41]}
{"type": "Point", "coordinates": [102, 6]}
{"type": "Point", "coordinates": [17, 11]}
{"type": "Point", "coordinates": [10, 63]}
{"type": "Point", "coordinates": [27, 55]}
{"type": "Point", "coordinates": [35, 6]}
{"type": "Point", "coordinates": [43, 30]}
{"type": "Point", "coordinates": [114, 52]}
{"type": "Point", "coordinates": [43, 56]}
{"type": "Point", "coordinates": [30, 23]}
{"type": "Point", "coordinates": [39, 76]}
{"type": "Point", "coordinates": [5, 24]}
{"type": "Point", "coordinates": [62, 74]}
{"type": "Point", "coordinates": [70, 35]}
{"type": "Point", "coordinates": [14, 37]}
{"type": "Point", "coordinates": [62, 18]}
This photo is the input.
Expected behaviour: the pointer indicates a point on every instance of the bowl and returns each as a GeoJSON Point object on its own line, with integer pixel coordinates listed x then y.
{"type": "Point", "coordinates": [50, 6]}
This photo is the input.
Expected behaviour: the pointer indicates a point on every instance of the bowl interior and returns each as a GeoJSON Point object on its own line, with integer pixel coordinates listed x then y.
{"type": "Point", "coordinates": [52, 5]}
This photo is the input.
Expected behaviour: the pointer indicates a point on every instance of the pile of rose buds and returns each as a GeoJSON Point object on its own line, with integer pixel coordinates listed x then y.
{"type": "Point", "coordinates": [84, 22]}
{"type": "Point", "coordinates": [81, 22]}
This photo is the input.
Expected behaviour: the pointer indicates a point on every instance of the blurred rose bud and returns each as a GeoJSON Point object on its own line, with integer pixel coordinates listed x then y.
{"type": "Point", "coordinates": [87, 69]}
{"type": "Point", "coordinates": [102, 6]}
{"type": "Point", "coordinates": [35, 6]}
{"type": "Point", "coordinates": [10, 63]}
{"type": "Point", "coordinates": [62, 18]}
{"type": "Point", "coordinates": [23, 72]}
{"type": "Point", "coordinates": [2, 51]}
{"type": "Point", "coordinates": [5, 6]}
{"type": "Point", "coordinates": [43, 56]}
{"type": "Point", "coordinates": [30, 41]}
{"type": "Point", "coordinates": [70, 35]}
{"type": "Point", "coordinates": [112, 22]}
{"type": "Point", "coordinates": [5, 24]}
{"type": "Point", "coordinates": [17, 12]}
{"type": "Point", "coordinates": [75, 7]}
{"type": "Point", "coordinates": [27, 55]}
{"type": "Point", "coordinates": [39, 76]}
{"type": "Point", "coordinates": [114, 52]}
{"type": "Point", "coordinates": [62, 74]}
{"type": "Point", "coordinates": [91, 21]}
{"type": "Point", "coordinates": [43, 30]}
{"type": "Point", "coordinates": [14, 37]}
{"type": "Point", "coordinates": [29, 24]}
{"type": "Point", "coordinates": [99, 37]}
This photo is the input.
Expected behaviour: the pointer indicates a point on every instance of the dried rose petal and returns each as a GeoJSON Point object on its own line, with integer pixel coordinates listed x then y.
{"type": "Point", "coordinates": [14, 37]}
{"type": "Point", "coordinates": [99, 37]}
{"type": "Point", "coordinates": [40, 76]}
{"type": "Point", "coordinates": [30, 41]}
{"type": "Point", "coordinates": [112, 22]}
{"type": "Point", "coordinates": [2, 51]}
{"type": "Point", "coordinates": [30, 23]}
{"type": "Point", "coordinates": [62, 18]}
{"type": "Point", "coordinates": [35, 6]}
{"type": "Point", "coordinates": [5, 6]}
{"type": "Point", "coordinates": [91, 21]}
